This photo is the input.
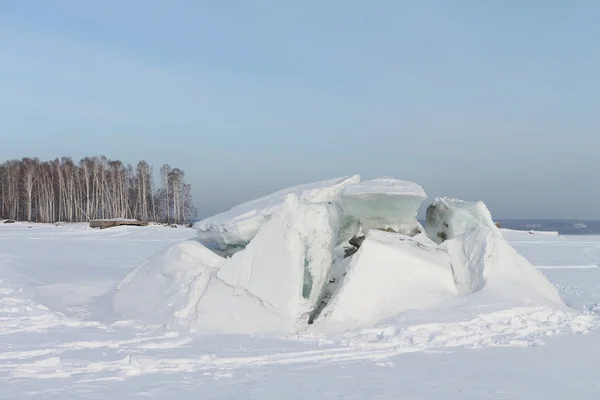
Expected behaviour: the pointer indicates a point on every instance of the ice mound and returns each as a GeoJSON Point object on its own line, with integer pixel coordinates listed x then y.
{"type": "Point", "coordinates": [239, 225]}
{"type": "Point", "coordinates": [299, 267]}
{"type": "Point", "coordinates": [483, 260]}
{"type": "Point", "coordinates": [481, 257]}
{"type": "Point", "coordinates": [389, 274]}
{"type": "Point", "coordinates": [393, 273]}
{"type": "Point", "coordinates": [287, 264]}
{"type": "Point", "coordinates": [272, 286]}
{"type": "Point", "coordinates": [180, 290]}
{"type": "Point", "coordinates": [383, 203]}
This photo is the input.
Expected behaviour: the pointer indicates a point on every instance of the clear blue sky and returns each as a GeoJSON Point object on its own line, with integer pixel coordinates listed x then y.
{"type": "Point", "coordinates": [492, 100]}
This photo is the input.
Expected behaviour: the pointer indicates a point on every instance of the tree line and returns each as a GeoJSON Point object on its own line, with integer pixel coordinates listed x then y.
{"type": "Point", "coordinates": [94, 188]}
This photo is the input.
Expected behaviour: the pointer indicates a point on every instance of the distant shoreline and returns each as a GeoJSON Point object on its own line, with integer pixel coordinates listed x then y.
{"type": "Point", "coordinates": [562, 226]}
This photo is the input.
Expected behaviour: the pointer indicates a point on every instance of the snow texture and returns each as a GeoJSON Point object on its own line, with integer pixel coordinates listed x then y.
{"type": "Point", "coordinates": [181, 291]}
{"type": "Point", "coordinates": [482, 259]}
{"type": "Point", "coordinates": [59, 340]}
{"type": "Point", "coordinates": [272, 286]}
{"type": "Point", "coordinates": [389, 274]}
{"type": "Point", "coordinates": [164, 288]}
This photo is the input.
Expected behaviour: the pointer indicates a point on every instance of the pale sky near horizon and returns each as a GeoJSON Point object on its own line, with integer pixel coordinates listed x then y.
{"type": "Point", "coordinates": [490, 100]}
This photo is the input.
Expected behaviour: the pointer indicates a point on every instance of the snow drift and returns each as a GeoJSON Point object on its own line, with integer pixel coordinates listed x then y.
{"type": "Point", "coordinates": [483, 260]}
{"type": "Point", "coordinates": [340, 254]}
{"type": "Point", "coordinates": [180, 290]}
{"type": "Point", "coordinates": [273, 285]}
{"type": "Point", "coordinates": [164, 288]}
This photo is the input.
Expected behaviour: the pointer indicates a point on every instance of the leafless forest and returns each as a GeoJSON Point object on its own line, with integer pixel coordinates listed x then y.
{"type": "Point", "coordinates": [95, 188]}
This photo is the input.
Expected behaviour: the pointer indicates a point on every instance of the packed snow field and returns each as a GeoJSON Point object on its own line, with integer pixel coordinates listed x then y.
{"type": "Point", "coordinates": [185, 313]}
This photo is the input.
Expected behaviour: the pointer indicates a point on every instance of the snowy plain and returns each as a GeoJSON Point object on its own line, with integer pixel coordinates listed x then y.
{"type": "Point", "coordinates": [57, 341]}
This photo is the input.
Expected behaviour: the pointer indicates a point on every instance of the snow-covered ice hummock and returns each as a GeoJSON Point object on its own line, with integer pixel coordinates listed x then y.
{"type": "Point", "coordinates": [272, 286]}
{"type": "Point", "coordinates": [383, 203]}
{"type": "Point", "coordinates": [236, 227]}
{"type": "Point", "coordinates": [481, 257]}
{"type": "Point", "coordinates": [389, 274]}
{"type": "Point", "coordinates": [483, 261]}
{"type": "Point", "coordinates": [291, 267]}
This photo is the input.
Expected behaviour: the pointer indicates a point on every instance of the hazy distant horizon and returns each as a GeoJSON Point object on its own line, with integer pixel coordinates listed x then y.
{"type": "Point", "coordinates": [489, 101]}
{"type": "Point", "coordinates": [229, 200]}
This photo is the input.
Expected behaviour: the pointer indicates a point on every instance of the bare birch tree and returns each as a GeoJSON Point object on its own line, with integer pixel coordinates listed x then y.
{"type": "Point", "coordinates": [96, 187]}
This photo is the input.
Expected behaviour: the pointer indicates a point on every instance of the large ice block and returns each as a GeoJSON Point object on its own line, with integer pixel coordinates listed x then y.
{"type": "Point", "coordinates": [383, 203]}
{"type": "Point", "coordinates": [287, 264]}
{"type": "Point", "coordinates": [238, 226]}
{"type": "Point", "coordinates": [447, 218]}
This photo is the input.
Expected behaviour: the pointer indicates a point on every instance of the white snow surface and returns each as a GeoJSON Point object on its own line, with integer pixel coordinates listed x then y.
{"type": "Point", "coordinates": [167, 284]}
{"type": "Point", "coordinates": [238, 226]}
{"type": "Point", "coordinates": [59, 339]}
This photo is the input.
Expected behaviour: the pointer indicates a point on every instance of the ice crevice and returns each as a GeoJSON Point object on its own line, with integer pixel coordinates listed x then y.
{"type": "Point", "coordinates": [331, 256]}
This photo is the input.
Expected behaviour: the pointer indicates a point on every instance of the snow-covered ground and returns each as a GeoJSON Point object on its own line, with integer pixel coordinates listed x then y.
{"type": "Point", "coordinates": [58, 340]}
